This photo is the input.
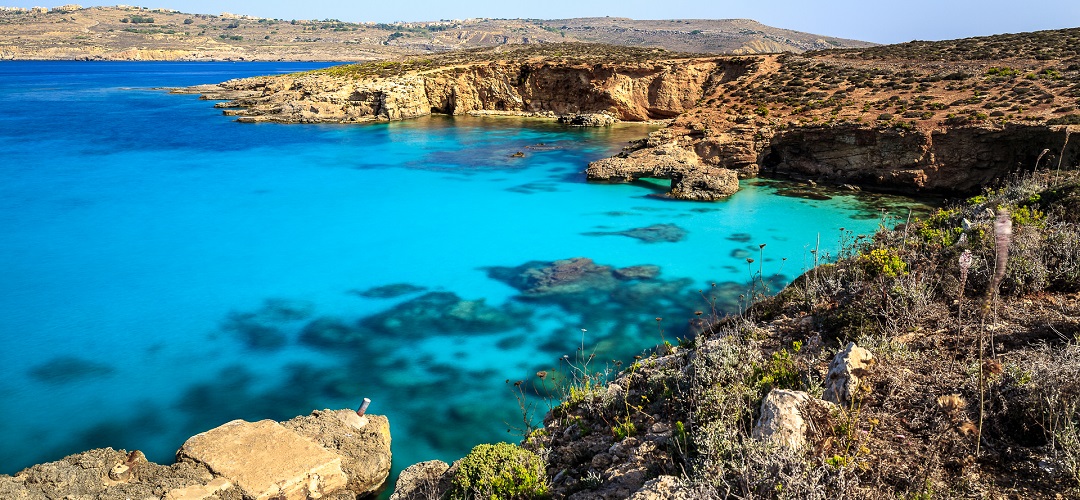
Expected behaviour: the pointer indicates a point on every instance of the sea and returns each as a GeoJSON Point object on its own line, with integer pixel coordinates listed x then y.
{"type": "Point", "coordinates": [165, 269]}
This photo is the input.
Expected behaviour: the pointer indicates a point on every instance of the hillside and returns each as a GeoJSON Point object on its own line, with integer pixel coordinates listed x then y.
{"type": "Point", "coordinates": [134, 33]}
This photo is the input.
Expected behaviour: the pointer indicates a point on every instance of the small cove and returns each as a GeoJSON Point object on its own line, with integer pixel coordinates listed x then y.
{"type": "Point", "coordinates": [168, 270]}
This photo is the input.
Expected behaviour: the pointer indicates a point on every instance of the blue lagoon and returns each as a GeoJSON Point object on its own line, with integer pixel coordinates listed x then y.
{"type": "Point", "coordinates": [166, 269]}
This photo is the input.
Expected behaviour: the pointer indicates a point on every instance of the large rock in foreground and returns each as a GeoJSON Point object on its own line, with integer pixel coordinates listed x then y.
{"type": "Point", "coordinates": [266, 460]}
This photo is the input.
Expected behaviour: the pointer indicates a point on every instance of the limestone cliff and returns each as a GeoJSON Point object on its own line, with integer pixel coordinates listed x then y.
{"type": "Point", "coordinates": [634, 92]}
{"type": "Point", "coordinates": [842, 117]}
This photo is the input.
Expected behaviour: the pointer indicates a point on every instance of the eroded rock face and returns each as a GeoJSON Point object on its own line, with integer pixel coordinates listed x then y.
{"type": "Point", "coordinates": [846, 371]}
{"type": "Point", "coordinates": [958, 159]}
{"type": "Point", "coordinates": [87, 475]}
{"type": "Point", "coordinates": [781, 420]}
{"type": "Point", "coordinates": [362, 442]}
{"type": "Point", "coordinates": [591, 95]}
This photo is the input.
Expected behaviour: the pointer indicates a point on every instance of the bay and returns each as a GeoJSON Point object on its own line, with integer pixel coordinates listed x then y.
{"type": "Point", "coordinates": [166, 269]}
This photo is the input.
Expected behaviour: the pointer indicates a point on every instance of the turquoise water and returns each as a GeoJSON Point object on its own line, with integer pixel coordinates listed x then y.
{"type": "Point", "coordinates": [166, 270]}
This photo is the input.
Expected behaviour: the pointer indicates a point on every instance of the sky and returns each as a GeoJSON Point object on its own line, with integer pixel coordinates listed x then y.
{"type": "Point", "coordinates": [869, 20]}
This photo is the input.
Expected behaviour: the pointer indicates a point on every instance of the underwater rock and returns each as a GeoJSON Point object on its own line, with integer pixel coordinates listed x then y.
{"type": "Point", "coordinates": [250, 329]}
{"type": "Point", "coordinates": [655, 233]}
{"type": "Point", "coordinates": [740, 237]}
{"type": "Point", "coordinates": [803, 193]}
{"type": "Point", "coordinates": [444, 312]}
{"type": "Point", "coordinates": [64, 369]}
{"type": "Point", "coordinates": [740, 253]}
{"type": "Point", "coordinates": [330, 332]}
{"type": "Point", "coordinates": [650, 292]}
{"type": "Point", "coordinates": [579, 275]}
{"type": "Point", "coordinates": [643, 272]}
{"type": "Point", "coordinates": [389, 291]}
{"type": "Point", "coordinates": [284, 310]}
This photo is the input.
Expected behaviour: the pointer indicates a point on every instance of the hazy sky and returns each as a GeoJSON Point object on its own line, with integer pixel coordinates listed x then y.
{"type": "Point", "coordinates": [880, 21]}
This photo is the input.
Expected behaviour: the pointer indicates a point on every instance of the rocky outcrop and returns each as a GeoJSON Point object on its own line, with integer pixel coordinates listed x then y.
{"type": "Point", "coordinates": [782, 421]}
{"type": "Point", "coordinates": [362, 442]}
{"type": "Point", "coordinates": [730, 117]}
{"type": "Point", "coordinates": [329, 454]}
{"type": "Point", "coordinates": [588, 119]}
{"type": "Point", "coordinates": [264, 460]}
{"type": "Point", "coordinates": [690, 178]}
{"type": "Point", "coordinates": [589, 95]}
{"type": "Point", "coordinates": [846, 371]}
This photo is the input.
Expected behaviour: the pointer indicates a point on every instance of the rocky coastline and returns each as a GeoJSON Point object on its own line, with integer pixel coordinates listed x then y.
{"type": "Point", "coordinates": [868, 377]}
{"type": "Point", "coordinates": [728, 117]}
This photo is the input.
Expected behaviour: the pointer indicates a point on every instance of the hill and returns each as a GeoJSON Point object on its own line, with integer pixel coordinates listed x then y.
{"type": "Point", "coordinates": [135, 33]}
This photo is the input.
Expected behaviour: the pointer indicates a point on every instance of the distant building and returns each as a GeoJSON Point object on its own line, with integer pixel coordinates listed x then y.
{"type": "Point", "coordinates": [39, 10]}
{"type": "Point", "coordinates": [71, 7]}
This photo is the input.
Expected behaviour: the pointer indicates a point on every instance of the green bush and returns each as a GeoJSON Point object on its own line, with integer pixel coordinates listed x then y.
{"type": "Point", "coordinates": [883, 262]}
{"type": "Point", "coordinates": [500, 471]}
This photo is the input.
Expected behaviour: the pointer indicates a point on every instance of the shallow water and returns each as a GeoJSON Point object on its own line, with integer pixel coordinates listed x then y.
{"type": "Point", "coordinates": [167, 270]}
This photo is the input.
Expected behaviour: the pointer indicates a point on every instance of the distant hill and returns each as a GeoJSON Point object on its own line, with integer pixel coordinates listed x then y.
{"type": "Point", "coordinates": [135, 33]}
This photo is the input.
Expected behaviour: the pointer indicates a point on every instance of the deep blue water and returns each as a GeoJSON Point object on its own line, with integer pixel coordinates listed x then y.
{"type": "Point", "coordinates": [166, 269]}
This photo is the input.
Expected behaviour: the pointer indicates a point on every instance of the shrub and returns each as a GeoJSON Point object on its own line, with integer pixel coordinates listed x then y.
{"type": "Point", "coordinates": [500, 471]}
{"type": "Point", "coordinates": [883, 262]}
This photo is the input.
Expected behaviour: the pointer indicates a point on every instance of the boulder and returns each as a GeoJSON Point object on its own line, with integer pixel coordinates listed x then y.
{"type": "Point", "coordinates": [846, 371]}
{"type": "Point", "coordinates": [664, 488]}
{"type": "Point", "coordinates": [363, 443]}
{"type": "Point", "coordinates": [588, 119]}
{"type": "Point", "coordinates": [782, 420]}
{"type": "Point", "coordinates": [265, 460]}
{"type": "Point", "coordinates": [704, 184]}
{"type": "Point", "coordinates": [422, 481]}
